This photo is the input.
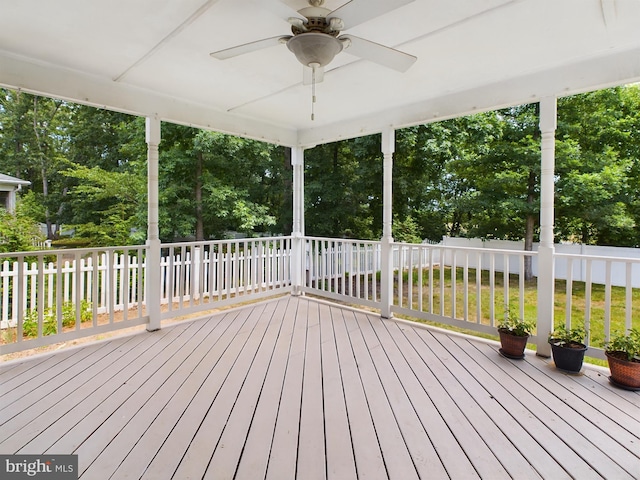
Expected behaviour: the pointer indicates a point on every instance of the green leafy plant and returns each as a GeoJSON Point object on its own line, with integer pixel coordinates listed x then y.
{"type": "Point", "coordinates": [627, 343]}
{"type": "Point", "coordinates": [515, 325]}
{"type": "Point", "coordinates": [565, 337]}
{"type": "Point", "coordinates": [50, 324]}
{"type": "Point", "coordinates": [30, 324]}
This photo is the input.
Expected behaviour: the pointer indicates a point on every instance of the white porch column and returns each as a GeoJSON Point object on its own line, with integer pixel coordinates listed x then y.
{"type": "Point", "coordinates": [546, 276]}
{"type": "Point", "coordinates": [297, 234]}
{"type": "Point", "coordinates": [153, 232]}
{"type": "Point", "coordinates": [386, 264]}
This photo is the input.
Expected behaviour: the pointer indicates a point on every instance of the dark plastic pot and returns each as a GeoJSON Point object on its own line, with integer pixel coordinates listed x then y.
{"type": "Point", "coordinates": [568, 358]}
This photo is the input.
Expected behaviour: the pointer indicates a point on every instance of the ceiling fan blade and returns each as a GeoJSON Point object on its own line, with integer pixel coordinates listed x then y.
{"type": "Point", "coordinates": [359, 11]}
{"type": "Point", "coordinates": [248, 47]}
{"type": "Point", "coordinates": [278, 8]}
{"type": "Point", "coordinates": [307, 75]}
{"type": "Point", "coordinates": [377, 53]}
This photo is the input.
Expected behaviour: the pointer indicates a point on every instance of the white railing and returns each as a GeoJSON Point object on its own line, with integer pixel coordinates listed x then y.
{"type": "Point", "coordinates": [589, 298]}
{"type": "Point", "coordinates": [464, 287]}
{"type": "Point", "coordinates": [343, 269]}
{"type": "Point", "coordinates": [195, 276]}
{"type": "Point", "coordinates": [58, 295]}
{"type": "Point", "coordinates": [468, 288]}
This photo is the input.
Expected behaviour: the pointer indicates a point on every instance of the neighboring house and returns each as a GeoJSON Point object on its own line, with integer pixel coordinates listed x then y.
{"type": "Point", "coordinates": [8, 188]}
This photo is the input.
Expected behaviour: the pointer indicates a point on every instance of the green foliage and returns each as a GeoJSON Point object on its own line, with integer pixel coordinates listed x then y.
{"type": "Point", "coordinates": [50, 323]}
{"type": "Point", "coordinates": [113, 199]}
{"type": "Point", "coordinates": [629, 343]}
{"type": "Point", "coordinates": [406, 230]}
{"type": "Point", "coordinates": [473, 176]}
{"type": "Point", "coordinates": [18, 231]}
{"type": "Point", "coordinates": [211, 183]}
{"type": "Point", "coordinates": [515, 325]}
{"type": "Point", "coordinates": [564, 336]}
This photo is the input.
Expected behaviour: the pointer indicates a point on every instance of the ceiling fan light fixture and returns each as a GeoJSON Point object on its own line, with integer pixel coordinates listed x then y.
{"type": "Point", "coordinates": [314, 48]}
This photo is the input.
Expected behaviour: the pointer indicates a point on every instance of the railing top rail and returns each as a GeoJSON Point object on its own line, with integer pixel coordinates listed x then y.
{"type": "Point", "coordinates": [224, 241]}
{"type": "Point", "coordinates": [604, 258]}
{"type": "Point", "coordinates": [343, 240]}
{"type": "Point", "coordinates": [505, 251]}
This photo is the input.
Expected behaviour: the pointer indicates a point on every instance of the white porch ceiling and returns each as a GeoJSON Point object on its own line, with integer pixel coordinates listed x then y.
{"type": "Point", "coordinates": [151, 57]}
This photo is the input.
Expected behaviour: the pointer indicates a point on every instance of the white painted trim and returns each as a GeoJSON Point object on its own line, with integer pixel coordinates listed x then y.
{"type": "Point", "coordinates": [546, 263]}
{"type": "Point", "coordinates": [595, 73]}
{"type": "Point", "coordinates": [53, 81]}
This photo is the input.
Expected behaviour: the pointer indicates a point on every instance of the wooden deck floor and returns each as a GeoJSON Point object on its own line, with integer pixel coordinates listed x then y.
{"type": "Point", "coordinates": [298, 388]}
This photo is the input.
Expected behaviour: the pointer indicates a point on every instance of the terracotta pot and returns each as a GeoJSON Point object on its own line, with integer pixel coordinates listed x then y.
{"type": "Point", "coordinates": [623, 372]}
{"type": "Point", "coordinates": [568, 358]}
{"type": "Point", "coordinates": [512, 345]}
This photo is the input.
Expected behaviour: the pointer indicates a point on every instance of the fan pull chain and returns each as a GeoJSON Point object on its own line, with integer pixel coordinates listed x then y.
{"type": "Point", "coordinates": [313, 91]}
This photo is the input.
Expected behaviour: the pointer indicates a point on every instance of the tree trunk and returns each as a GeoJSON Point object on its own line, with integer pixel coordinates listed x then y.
{"type": "Point", "coordinates": [198, 198]}
{"type": "Point", "coordinates": [43, 150]}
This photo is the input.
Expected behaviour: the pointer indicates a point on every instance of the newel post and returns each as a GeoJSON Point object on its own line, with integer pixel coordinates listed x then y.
{"type": "Point", "coordinates": [297, 234]}
{"type": "Point", "coordinates": [546, 250]}
{"type": "Point", "coordinates": [386, 262]}
{"type": "Point", "coordinates": [152, 279]}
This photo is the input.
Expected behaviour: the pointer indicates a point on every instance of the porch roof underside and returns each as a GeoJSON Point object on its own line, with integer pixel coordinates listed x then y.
{"type": "Point", "coordinates": [152, 59]}
{"type": "Point", "coordinates": [299, 388]}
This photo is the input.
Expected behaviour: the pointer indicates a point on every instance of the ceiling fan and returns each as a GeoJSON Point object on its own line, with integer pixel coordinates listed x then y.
{"type": "Point", "coordinates": [316, 38]}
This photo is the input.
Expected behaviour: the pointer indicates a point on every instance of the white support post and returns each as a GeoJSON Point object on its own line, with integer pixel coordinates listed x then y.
{"type": "Point", "coordinates": [386, 263]}
{"type": "Point", "coordinates": [153, 232]}
{"type": "Point", "coordinates": [297, 234]}
{"type": "Point", "coordinates": [546, 250]}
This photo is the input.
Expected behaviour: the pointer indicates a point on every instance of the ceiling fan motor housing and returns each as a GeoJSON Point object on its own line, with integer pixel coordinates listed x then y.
{"type": "Point", "coordinates": [314, 49]}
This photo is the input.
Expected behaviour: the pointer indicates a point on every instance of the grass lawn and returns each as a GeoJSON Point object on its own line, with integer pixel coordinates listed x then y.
{"type": "Point", "coordinates": [444, 302]}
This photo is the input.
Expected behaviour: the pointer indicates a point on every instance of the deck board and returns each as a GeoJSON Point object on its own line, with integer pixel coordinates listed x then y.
{"type": "Point", "coordinates": [474, 430]}
{"type": "Point", "coordinates": [299, 388]}
{"type": "Point", "coordinates": [368, 460]}
{"type": "Point", "coordinates": [578, 456]}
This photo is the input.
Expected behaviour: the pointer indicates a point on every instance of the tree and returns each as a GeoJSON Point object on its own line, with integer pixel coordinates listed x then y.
{"type": "Point", "coordinates": [33, 147]}
{"type": "Point", "coordinates": [598, 155]}
{"type": "Point", "coordinates": [209, 182]}
{"type": "Point", "coordinates": [117, 199]}
{"type": "Point", "coordinates": [18, 231]}
{"type": "Point", "coordinates": [343, 189]}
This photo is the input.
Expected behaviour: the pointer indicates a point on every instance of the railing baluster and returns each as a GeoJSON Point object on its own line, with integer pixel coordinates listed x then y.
{"type": "Point", "coordinates": [628, 297]}
{"type": "Point", "coordinates": [478, 288]}
{"type": "Point", "coordinates": [454, 286]}
{"type": "Point", "coordinates": [607, 299]}
{"type": "Point", "coordinates": [587, 302]}
{"type": "Point", "coordinates": [465, 280]}
{"type": "Point", "coordinates": [505, 280]}
{"type": "Point", "coordinates": [431, 261]}
{"type": "Point", "coordinates": [492, 289]}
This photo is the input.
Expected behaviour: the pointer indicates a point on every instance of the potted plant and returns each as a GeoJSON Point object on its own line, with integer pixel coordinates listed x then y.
{"type": "Point", "coordinates": [568, 348]}
{"type": "Point", "coordinates": [514, 333]}
{"type": "Point", "coordinates": [623, 355]}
